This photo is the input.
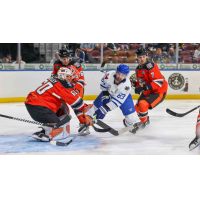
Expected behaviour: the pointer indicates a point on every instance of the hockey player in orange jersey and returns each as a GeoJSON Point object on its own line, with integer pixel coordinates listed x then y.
{"type": "Point", "coordinates": [196, 140]}
{"type": "Point", "coordinates": [150, 85]}
{"type": "Point", "coordinates": [66, 61]}
{"type": "Point", "coordinates": [48, 104]}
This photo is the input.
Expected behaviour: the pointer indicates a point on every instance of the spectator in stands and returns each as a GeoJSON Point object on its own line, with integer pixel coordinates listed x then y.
{"type": "Point", "coordinates": [56, 58]}
{"type": "Point", "coordinates": [97, 46]}
{"type": "Point", "coordinates": [158, 57]}
{"type": "Point", "coordinates": [86, 48]}
{"type": "Point", "coordinates": [113, 46]}
{"type": "Point", "coordinates": [125, 46]}
{"type": "Point", "coordinates": [21, 61]}
{"type": "Point", "coordinates": [1, 57]}
{"type": "Point", "coordinates": [8, 59]}
{"type": "Point", "coordinates": [115, 58]}
{"type": "Point", "coordinates": [197, 52]}
{"type": "Point", "coordinates": [151, 47]}
{"type": "Point", "coordinates": [172, 54]}
{"type": "Point", "coordinates": [181, 47]}
{"type": "Point", "coordinates": [168, 60]}
{"type": "Point", "coordinates": [164, 47]}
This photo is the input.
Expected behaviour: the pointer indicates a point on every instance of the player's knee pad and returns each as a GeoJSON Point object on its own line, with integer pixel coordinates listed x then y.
{"type": "Point", "coordinates": [143, 105]}
{"type": "Point", "coordinates": [130, 119]}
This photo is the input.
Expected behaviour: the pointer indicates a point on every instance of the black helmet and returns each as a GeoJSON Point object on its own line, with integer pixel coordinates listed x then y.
{"type": "Point", "coordinates": [63, 53]}
{"type": "Point", "coordinates": [141, 51]}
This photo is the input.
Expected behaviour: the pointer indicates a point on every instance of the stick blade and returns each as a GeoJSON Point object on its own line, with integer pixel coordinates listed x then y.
{"type": "Point", "coordinates": [56, 143]}
{"type": "Point", "coordinates": [173, 113]}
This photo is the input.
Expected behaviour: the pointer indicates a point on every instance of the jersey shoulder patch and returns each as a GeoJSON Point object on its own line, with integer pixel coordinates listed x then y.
{"type": "Point", "coordinates": [58, 62]}
{"type": "Point", "coordinates": [107, 76]}
{"type": "Point", "coordinates": [150, 65]}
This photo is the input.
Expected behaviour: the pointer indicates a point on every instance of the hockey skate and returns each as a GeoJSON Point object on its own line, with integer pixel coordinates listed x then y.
{"type": "Point", "coordinates": [194, 143]}
{"type": "Point", "coordinates": [135, 127]}
{"type": "Point", "coordinates": [143, 125]}
{"type": "Point", "coordinates": [86, 132]}
{"type": "Point", "coordinates": [40, 136]}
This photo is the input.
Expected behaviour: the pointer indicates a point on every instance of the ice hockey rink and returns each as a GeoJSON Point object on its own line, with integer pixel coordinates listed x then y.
{"type": "Point", "coordinates": [166, 135]}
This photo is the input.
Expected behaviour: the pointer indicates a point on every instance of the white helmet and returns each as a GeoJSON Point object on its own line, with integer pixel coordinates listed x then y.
{"type": "Point", "coordinates": [65, 74]}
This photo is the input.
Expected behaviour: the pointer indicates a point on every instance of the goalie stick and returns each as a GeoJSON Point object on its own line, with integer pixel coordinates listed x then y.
{"type": "Point", "coordinates": [57, 143]}
{"type": "Point", "coordinates": [180, 114]}
{"type": "Point", "coordinates": [54, 126]}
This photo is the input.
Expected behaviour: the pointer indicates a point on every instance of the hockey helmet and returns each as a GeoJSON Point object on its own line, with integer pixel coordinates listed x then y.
{"type": "Point", "coordinates": [65, 74]}
{"type": "Point", "coordinates": [124, 69]}
{"type": "Point", "coordinates": [141, 51]}
{"type": "Point", "coordinates": [63, 53]}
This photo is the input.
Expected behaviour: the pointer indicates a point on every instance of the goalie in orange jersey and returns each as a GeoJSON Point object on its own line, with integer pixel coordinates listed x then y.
{"type": "Point", "coordinates": [150, 85]}
{"type": "Point", "coordinates": [48, 104]}
{"type": "Point", "coordinates": [68, 62]}
{"type": "Point", "coordinates": [196, 140]}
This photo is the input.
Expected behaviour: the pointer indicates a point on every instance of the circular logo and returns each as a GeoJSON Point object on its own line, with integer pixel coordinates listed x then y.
{"type": "Point", "coordinates": [162, 66]}
{"type": "Point", "coordinates": [83, 66]}
{"type": "Point", "coordinates": [194, 66]}
{"type": "Point", "coordinates": [176, 81]}
{"type": "Point", "coordinates": [41, 66]}
{"type": "Point", "coordinates": [1, 66]}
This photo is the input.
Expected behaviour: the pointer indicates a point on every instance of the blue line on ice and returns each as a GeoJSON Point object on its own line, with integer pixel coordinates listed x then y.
{"type": "Point", "coordinates": [24, 143]}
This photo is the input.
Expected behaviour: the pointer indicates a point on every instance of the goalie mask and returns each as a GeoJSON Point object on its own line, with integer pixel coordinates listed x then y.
{"type": "Point", "coordinates": [65, 74]}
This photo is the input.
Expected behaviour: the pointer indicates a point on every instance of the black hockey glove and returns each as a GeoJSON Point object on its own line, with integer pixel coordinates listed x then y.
{"type": "Point", "coordinates": [133, 84]}
{"type": "Point", "coordinates": [141, 88]}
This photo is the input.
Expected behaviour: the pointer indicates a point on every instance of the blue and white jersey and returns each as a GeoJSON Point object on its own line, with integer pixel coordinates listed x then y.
{"type": "Point", "coordinates": [118, 93]}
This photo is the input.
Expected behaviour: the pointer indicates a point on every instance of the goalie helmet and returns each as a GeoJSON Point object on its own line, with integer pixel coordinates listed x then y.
{"type": "Point", "coordinates": [141, 51]}
{"type": "Point", "coordinates": [65, 74]}
{"type": "Point", "coordinates": [63, 53]}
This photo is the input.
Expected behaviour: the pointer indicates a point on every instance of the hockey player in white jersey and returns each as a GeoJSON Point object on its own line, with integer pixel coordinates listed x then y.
{"type": "Point", "coordinates": [115, 93]}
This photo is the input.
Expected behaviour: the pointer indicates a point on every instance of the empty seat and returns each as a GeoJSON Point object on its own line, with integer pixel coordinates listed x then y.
{"type": "Point", "coordinates": [135, 46]}
{"type": "Point", "coordinates": [130, 60]}
{"type": "Point", "coordinates": [131, 54]}
{"type": "Point", "coordinates": [108, 53]}
{"type": "Point", "coordinates": [197, 60]}
{"type": "Point", "coordinates": [187, 60]}
{"type": "Point", "coordinates": [121, 54]}
{"type": "Point", "coordinates": [189, 47]}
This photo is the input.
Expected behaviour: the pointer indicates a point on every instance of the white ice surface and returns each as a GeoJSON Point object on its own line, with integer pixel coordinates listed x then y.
{"type": "Point", "coordinates": [166, 135]}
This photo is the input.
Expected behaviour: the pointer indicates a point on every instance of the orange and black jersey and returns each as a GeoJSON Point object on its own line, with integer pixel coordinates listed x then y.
{"type": "Point", "coordinates": [150, 74]}
{"type": "Point", "coordinates": [53, 92]}
{"type": "Point", "coordinates": [58, 64]}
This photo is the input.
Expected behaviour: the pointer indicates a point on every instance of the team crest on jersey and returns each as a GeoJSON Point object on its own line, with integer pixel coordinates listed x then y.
{"type": "Point", "coordinates": [127, 88]}
{"type": "Point", "coordinates": [106, 76]}
{"type": "Point", "coordinates": [149, 66]}
{"type": "Point", "coordinates": [143, 72]}
{"type": "Point", "coordinates": [141, 81]}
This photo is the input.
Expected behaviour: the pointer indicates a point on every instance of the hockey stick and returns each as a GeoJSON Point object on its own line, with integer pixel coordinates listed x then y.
{"type": "Point", "coordinates": [113, 131]}
{"type": "Point", "coordinates": [57, 143]}
{"type": "Point", "coordinates": [180, 114]}
{"type": "Point", "coordinates": [98, 129]}
{"type": "Point", "coordinates": [54, 126]}
{"type": "Point", "coordinates": [102, 66]}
